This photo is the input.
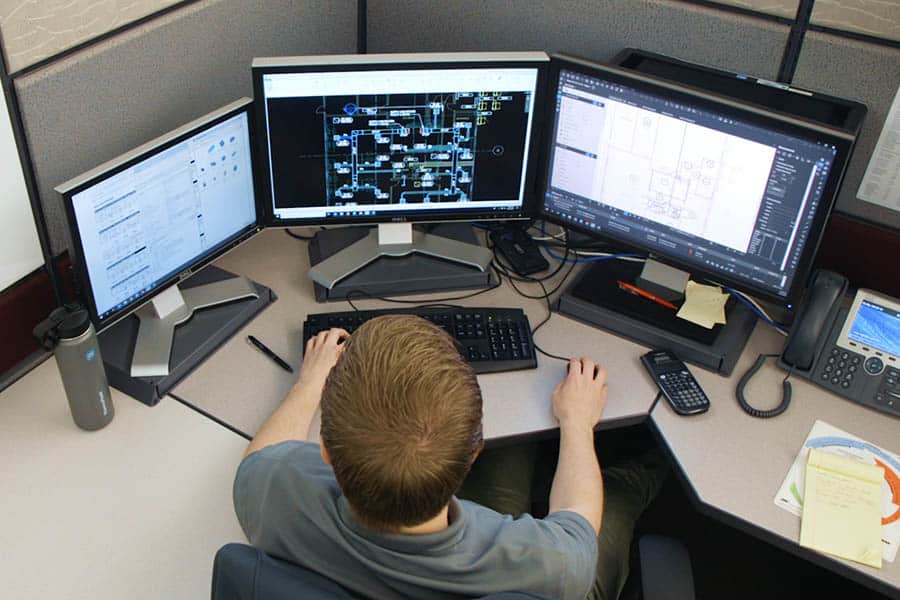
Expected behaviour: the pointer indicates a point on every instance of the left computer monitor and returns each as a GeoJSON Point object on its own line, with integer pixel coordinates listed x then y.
{"type": "Point", "coordinates": [145, 221]}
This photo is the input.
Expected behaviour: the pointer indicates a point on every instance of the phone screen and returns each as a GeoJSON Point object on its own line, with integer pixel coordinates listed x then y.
{"type": "Point", "coordinates": [878, 327]}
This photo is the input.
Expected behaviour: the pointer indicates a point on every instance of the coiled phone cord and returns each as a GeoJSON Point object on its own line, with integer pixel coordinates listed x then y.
{"type": "Point", "coordinates": [745, 379]}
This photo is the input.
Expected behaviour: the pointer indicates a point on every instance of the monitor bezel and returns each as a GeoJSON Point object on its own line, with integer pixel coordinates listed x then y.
{"type": "Point", "coordinates": [125, 161]}
{"type": "Point", "coordinates": [843, 142]}
{"type": "Point", "coordinates": [415, 61]}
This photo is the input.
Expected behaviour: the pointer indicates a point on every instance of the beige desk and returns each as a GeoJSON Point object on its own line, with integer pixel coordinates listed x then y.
{"type": "Point", "coordinates": [735, 463]}
{"type": "Point", "coordinates": [135, 510]}
{"type": "Point", "coordinates": [242, 387]}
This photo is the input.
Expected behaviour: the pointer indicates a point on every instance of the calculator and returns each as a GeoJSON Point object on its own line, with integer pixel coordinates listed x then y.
{"type": "Point", "coordinates": [676, 383]}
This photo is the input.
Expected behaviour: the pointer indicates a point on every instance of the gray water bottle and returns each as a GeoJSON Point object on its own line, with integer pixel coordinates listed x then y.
{"type": "Point", "coordinates": [81, 368]}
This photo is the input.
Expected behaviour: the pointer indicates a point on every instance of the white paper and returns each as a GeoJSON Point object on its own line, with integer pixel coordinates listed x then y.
{"type": "Point", "coordinates": [20, 252]}
{"type": "Point", "coordinates": [831, 439]}
{"type": "Point", "coordinates": [881, 183]}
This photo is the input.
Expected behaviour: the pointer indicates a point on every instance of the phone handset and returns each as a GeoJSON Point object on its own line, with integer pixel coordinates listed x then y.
{"type": "Point", "coordinates": [817, 311]}
{"type": "Point", "coordinates": [820, 306]}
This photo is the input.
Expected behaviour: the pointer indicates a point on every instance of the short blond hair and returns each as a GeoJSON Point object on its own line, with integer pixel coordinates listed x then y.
{"type": "Point", "coordinates": [401, 412]}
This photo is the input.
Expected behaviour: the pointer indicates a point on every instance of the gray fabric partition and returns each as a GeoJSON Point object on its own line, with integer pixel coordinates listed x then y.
{"type": "Point", "coordinates": [860, 71]}
{"type": "Point", "coordinates": [95, 104]}
{"type": "Point", "coordinates": [596, 30]}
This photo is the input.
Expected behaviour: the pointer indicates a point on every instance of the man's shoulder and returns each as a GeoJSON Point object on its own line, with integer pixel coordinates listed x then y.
{"type": "Point", "coordinates": [564, 532]}
{"type": "Point", "coordinates": [283, 469]}
{"type": "Point", "coordinates": [291, 455]}
{"type": "Point", "coordinates": [554, 555]}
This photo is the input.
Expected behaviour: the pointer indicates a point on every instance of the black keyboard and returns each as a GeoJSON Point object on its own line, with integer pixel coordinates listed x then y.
{"type": "Point", "coordinates": [492, 339]}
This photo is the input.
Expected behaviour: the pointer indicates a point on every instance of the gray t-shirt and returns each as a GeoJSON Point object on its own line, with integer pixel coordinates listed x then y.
{"type": "Point", "coordinates": [289, 504]}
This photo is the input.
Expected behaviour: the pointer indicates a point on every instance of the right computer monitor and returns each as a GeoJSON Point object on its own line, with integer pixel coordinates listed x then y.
{"type": "Point", "coordinates": [727, 191]}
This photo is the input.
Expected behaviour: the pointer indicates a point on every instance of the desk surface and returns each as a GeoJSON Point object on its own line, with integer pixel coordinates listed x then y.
{"type": "Point", "coordinates": [242, 387]}
{"type": "Point", "coordinates": [135, 510]}
{"type": "Point", "coordinates": [733, 462]}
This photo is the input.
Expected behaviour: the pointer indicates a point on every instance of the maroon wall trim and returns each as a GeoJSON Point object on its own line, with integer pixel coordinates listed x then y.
{"type": "Point", "coordinates": [22, 306]}
{"type": "Point", "coordinates": [868, 255]}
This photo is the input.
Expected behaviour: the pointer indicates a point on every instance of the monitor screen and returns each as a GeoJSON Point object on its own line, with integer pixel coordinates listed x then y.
{"type": "Point", "coordinates": [149, 218]}
{"type": "Point", "coordinates": [381, 138]}
{"type": "Point", "coordinates": [728, 192]}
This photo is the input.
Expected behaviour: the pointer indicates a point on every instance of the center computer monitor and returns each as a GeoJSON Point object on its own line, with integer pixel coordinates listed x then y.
{"type": "Point", "coordinates": [397, 139]}
{"type": "Point", "coordinates": [152, 217]}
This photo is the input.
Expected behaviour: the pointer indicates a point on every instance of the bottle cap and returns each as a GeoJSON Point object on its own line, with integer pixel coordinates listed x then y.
{"type": "Point", "coordinates": [74, 325]}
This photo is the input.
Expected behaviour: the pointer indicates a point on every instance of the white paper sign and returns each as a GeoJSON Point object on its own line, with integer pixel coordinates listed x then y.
{"type": "Point", "coordinates": [881, 183]}
{"type": "Point", "coordinates": [20, 251]}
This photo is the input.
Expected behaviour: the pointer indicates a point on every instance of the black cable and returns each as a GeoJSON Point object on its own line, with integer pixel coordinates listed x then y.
{"type": "Point", "coordinates": [503, 271]}
{"type": "Point", "coordinates": [745, 379]}
{"type": "Point", "coordinates": [544, 322]}
{"type": "Point", "coordinates": [297, 236]}
{"type": "Point", "coordinates": [370, 296]}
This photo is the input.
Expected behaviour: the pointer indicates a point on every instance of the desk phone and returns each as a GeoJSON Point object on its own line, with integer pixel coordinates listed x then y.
{"type": "Point", "coordinates": [853, 352]}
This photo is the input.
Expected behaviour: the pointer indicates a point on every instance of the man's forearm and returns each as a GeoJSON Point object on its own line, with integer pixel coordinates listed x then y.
{"type": "Point", "coordinates": [578, 484]}
{"type": "Point", "coordinates": [290, 421]}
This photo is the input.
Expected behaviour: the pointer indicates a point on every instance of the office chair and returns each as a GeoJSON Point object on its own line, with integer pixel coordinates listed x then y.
{"type": "Point", "coordinates": [663, 569]}
{"type": "Point", "coordinates": [242, 572]}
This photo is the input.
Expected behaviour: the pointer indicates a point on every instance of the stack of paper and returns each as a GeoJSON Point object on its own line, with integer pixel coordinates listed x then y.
{"type": "Point", "coordinates": [830, 440]}
{"type": "Point", "coordinates": [842, 507]}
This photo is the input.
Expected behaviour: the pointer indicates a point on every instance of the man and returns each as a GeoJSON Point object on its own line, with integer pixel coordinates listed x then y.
{"type": "Point", "coordinates": [373, 506]}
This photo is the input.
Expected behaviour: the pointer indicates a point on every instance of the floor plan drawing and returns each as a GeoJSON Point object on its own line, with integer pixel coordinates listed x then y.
{"type": "Point", "coordinates": [698, 180]}
{"type": "Point", "coordinates": [406, 148]}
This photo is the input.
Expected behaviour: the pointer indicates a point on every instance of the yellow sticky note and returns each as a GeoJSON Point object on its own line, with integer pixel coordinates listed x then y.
{"type": "Point", "coordinates": [703, 304]}
{"type": "Point", "coordinates": [842, 507]}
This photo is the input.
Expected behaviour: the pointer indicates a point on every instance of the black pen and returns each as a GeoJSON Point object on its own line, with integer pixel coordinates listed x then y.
{"type": "Point", "coordinates": [265, 350]}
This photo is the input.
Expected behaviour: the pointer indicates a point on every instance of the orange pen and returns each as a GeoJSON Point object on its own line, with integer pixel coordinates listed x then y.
{"type": "Point", "coordinates": [645, 294]}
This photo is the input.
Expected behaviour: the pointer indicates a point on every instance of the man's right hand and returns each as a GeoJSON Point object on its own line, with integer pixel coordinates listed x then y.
{"type": "Point", "coordinates": [579, 399]}
{"type": "Point", "coordinates": [322, 353]}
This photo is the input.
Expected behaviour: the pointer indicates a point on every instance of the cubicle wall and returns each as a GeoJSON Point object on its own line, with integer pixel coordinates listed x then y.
{"type": "Point", "coordinates": [117, 75]}
{"type": "Point", "coordinates": [863, 71]}
{"type": "Point", "coordinates": [589, 28]}
{"type": "Point", "coordinates": [98, 102]}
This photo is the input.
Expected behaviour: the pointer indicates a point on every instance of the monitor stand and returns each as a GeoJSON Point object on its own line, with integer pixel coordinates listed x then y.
{"type": "Point", "coordinates": [396, 240]}
{"type": "Point", "coordinates": [596, 298]}
{"type": "Point", "coordinates": [159, 318]}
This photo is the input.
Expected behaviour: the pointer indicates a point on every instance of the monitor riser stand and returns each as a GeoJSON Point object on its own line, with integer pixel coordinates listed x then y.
{"type": "Point", "coordinates": [396, 239]}
{"type": "Point", "coordinates": [159, 318]}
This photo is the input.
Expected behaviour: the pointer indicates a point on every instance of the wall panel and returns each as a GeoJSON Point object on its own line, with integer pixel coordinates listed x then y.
{"type": "Point", "coordinates": [107, 98]}
{"type": "Point", "coordinates": [860, 71]}
{"type": "Point", "coordinates": [782, 8]}
{"type": "Point", "coordinates": [596, 30]}
{"type": "Point", "coordinates": [33, 31]}
{"type": "Point", "coordinates": [877, 18]}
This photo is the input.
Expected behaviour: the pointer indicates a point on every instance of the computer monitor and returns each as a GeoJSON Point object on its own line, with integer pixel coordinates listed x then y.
{"type": "Point", "coordinates": [396, 139]}
{"type": "Point", "coordinates": [152, 217]}
{"type": "Point", "coordinates": [729, 192]}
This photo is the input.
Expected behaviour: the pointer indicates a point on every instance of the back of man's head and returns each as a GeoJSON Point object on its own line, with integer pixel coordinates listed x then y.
{"type": "Point", "coordinates": [401, 420]}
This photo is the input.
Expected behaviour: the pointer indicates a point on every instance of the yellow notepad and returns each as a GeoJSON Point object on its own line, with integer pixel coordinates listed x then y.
{"type": "Point", "coordinates": [842, 507]}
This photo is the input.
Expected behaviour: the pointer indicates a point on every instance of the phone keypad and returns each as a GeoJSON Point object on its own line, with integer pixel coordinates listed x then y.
{"type": "Point", "coordinates": [889, 393]}
{"type": "Point", "coordinates": [865, 380]}
{"type": "Point", "coordinates": [840, 368]}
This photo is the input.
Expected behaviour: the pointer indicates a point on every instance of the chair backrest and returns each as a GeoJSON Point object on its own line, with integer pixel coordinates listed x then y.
{"type": "Point", "coordinates": [242, 572]}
